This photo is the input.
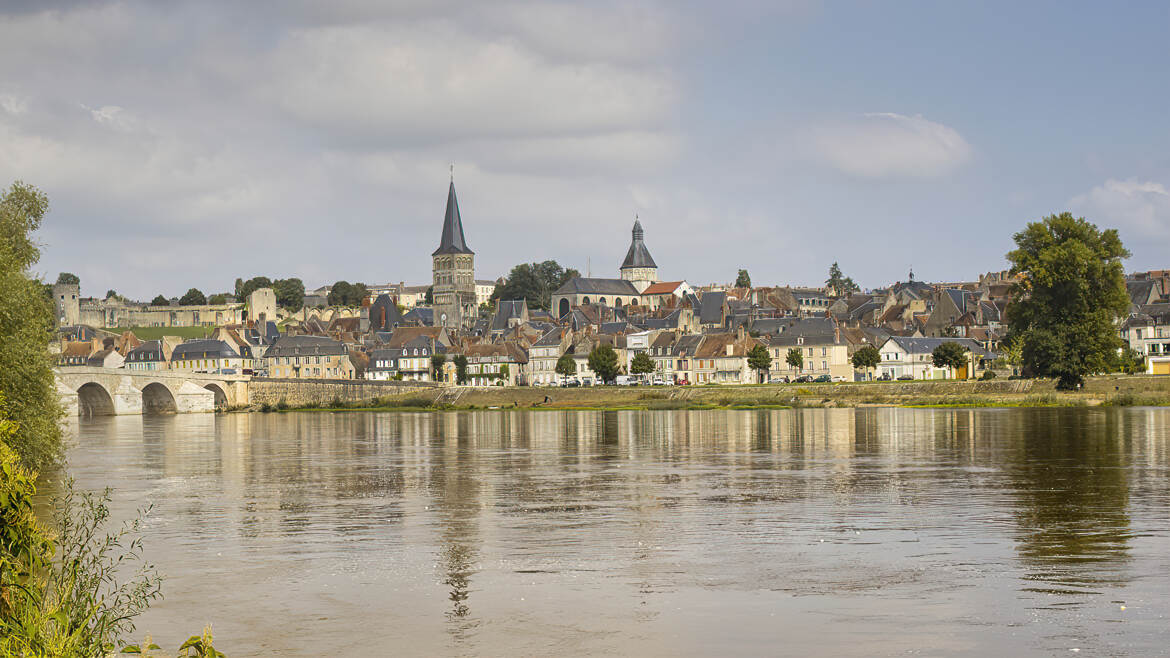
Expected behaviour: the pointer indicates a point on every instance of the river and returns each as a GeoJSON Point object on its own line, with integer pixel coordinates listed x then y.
{"type": "Point", "coordinates": [843, 532]}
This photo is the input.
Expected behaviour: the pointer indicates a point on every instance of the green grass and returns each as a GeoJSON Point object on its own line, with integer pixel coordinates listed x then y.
{"type": "Point", "coordinates": [154, 333]}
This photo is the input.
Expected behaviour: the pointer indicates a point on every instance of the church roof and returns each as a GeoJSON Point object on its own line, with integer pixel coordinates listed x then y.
{"type": "Point", "coordinates": [582, 285]}
{"type": "Point", "coordinates": [638, 255]}
{"type": "Point", "coordinates": [452, 240]}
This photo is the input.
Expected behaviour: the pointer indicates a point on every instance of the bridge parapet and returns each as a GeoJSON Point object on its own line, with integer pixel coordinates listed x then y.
{"type": "Point", "coordinates": [114, 391]}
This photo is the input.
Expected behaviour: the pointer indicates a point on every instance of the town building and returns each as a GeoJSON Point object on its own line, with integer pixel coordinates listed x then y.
{"type": "Point", "coordinates": [308, 357]}
{"type": "Point", "coordinates": [637, 272]}
{"type": "Point", "coordinates": [209, 355]}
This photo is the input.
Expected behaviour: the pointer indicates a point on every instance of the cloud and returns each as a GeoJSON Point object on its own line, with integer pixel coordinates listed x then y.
{"type": "Point", "coordinates": [888, 145]}
{"type": "Point", "coordinates": [1141, 206]}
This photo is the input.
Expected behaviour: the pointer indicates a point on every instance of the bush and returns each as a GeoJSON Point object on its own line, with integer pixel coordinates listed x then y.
{"type": "Point", "coordinates": [282, 406]}
{"type": "Point", "coordinates": [266, 408]}
{"type": "Point", "coordinates": [987, 375]}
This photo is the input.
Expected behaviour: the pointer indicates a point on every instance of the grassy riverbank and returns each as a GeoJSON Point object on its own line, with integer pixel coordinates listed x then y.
{"type": "Point", "coordinates": [1098, 391]}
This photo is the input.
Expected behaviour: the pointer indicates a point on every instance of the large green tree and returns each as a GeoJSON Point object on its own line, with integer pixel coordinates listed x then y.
{"type": "Point", "coordinates": [245, 288]}
{"type": "Point", "coordinates": [159, 300]}
{"type": "Point", "coordinates": [1069, 297]}
{"type": "Point", "coordinates": [460, 368]}
{"type": "Point", "coordinates": [534, 282]}
{"type": "Point", "coordinates": [437, 362]}
{"type": "Point", "coordinates": [26, 325]}
{"type": "Point", "coordinates": [949, 355]}
{"type": "Point", "coordinates": [743, 279]}
{"type": "Point", "coordinates": [566, 365]}
{"type": "Point", "coordinates": [344, 293]}
{"type": "Point", "coordinates": [193, 297]}
{"type": "Point", "coordinates": [603, 360]}
{"type": "Point", "coordinates": [838, 284]}
{"type": "Point", "coordinates": [759, 360]}
{"type": "Point", "coordinates": [794, 358]}
{"type": "Point", "coordinates": [290, 293]}
{"type": "Point", "coordinates": [641, 364]}
{"type": "Point", "coordinates": [68, 278]}
{"type": "Point", "coordinates": [866, 358]}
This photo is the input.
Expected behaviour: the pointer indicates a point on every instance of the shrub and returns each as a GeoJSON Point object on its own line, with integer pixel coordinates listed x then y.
{"type": "Point", "coordinates": [282, 406]}
{"type": "Point", "coordinates": [266, 408]}
{"type": "Point", "coordinates": [987, 375]}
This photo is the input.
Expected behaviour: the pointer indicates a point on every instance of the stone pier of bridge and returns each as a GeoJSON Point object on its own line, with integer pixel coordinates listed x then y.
{"type": "Point", "coordinates": [117, 391]}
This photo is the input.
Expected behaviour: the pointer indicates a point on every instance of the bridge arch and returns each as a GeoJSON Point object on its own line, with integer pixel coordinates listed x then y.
{"type": "Point", "coordinates": [221, 398]}
{"type": "Point", "coordinates": [94, 400]}
{"type": "Point", "coordinates": [158, 399]}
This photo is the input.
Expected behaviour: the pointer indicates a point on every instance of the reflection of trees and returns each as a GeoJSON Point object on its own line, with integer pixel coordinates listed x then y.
{"type": "Point", "coordinates": [1071, 485]}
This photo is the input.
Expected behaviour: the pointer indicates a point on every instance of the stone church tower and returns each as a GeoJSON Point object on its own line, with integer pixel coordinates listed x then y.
{"type": "Point", "coordinates": [453, 270]}
{"type": "Point", "coordinates": [639, 268]}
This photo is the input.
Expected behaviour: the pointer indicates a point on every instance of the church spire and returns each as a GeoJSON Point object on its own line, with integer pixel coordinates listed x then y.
{"type": "Point", "coordinates": [638, 256]}
{"type": "Point", "coordinates": [452, 240]}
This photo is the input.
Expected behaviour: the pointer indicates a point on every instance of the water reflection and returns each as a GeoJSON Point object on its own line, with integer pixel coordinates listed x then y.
{"type": "Point", "coordinates": [682, 532]}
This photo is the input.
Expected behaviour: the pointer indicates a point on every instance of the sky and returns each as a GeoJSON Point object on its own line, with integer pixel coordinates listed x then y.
{"type": "Point", "coordinates": [186, 144]}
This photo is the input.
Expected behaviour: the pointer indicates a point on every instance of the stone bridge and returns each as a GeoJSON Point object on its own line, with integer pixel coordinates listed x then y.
{"type": "Point", "coordinates": [89, 391]}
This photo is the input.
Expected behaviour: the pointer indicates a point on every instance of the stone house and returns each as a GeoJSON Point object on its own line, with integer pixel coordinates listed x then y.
{"type": "Point", "coordinates": [722, 359]}
{"type": "Point", "coordinates": [148, 356]}
{"type": "Point", "coordinates": [904, 355]}
{"type": "Point", "coordinates": [106, 358]}
{"type": "Point", "coordinates": [822, 350]}
{"type": "Point", "coordinates": [544, 354]}
{"type": "Point", "coordinates": [1147, 331]}
{"type": "Point", "coordinates": [308, 357]}
{"type": "Point", "coordinates": [383, 364]}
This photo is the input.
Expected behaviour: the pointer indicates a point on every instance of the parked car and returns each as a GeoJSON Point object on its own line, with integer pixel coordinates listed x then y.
{"type": "Point", "coordinates": [885, 377]}
{"type": "Point", "coordinates": [823, 379]}
{"type": "Point", "coordinates": [779, 380]}
{"type": "Point", "coordinates": [683, 382]}
{"type": "Point", "coordinates": [804, 379]}
{"type": "Point", "coordinates": [658, 381]}
{"type": "Point", "coordinates": [586, 381]}
{"type": "Point", "coordinates": [838, 378]}
{"type": "Point", "coordinates": [906, 378]}
{"type": "Point", "coordinates": [571, 383]}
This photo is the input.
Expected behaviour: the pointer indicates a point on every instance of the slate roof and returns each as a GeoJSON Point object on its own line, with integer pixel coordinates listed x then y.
{"type": "Point", "coordinates": [711, 307]}
{"type": "Point", "coordinates": [203, 349]}
{"type": "Point", "coordinates": [914, 345]}
{"type": "Point", "coordinates": [507, 310]}
{"type": "Point", "coordinates": [638, 255]}
{"type": "Point", "coordinates": [421, 314]}
{"type": "Point", "coordinates": [452, 240]}
{"type": "Point", "coordinates": [1141, 291]}
{"type": "Point", "coordinates": [151, 350]}
{"type": "Point", "coordinates": [591, 286]}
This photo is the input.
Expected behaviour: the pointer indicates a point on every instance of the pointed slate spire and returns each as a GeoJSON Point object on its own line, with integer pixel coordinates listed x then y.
{"type": "Point", "coordinates": [638, 255]}
{"type": "Point", "coordinates": [452, 240]}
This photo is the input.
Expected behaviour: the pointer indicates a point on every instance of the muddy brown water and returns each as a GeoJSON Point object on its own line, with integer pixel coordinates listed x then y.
{"type": "Point", "coordinates": [842, 532]}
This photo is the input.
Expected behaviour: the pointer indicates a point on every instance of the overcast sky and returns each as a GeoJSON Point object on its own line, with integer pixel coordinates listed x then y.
{"type": "Point", "coordinates": [187, 143]}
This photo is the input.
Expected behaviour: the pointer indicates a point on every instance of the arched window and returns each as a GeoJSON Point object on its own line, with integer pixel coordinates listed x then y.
{"type": "Point", "coordinates": [585, 300]}
{"type": "Point", "coordinates": [601, 301]}
{"type": "Point", "coordinates": [563, 309]}
{"type": "Point", "coordinates": [634, 301]}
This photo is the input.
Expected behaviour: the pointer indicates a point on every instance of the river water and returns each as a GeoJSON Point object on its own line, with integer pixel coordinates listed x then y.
{"type": "Point", "coordinates": [867, 532]}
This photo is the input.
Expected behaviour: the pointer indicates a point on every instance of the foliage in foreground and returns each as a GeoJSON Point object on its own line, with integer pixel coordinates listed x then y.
{"type": "Point", "coordinates": [60, 594]}
{"type": "Point", "coordinates": [26, 326]}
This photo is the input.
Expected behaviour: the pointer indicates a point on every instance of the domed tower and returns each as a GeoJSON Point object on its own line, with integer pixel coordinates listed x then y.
{"type": "Point", "coordinates": [453, 270]}
{"type": "Point", "coordinates": [639, 268]}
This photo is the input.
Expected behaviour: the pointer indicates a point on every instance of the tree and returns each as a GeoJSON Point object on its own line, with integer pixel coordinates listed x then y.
{"type": "Point", "coordinates": [26, 328]}
{"type": "Point", "coordinates": [534, 283]}
{"type": "Point", "coordinates": [159, 300]}
{"type": "Point", "coordinates": [437, 362]}
{"type": "Point", "coordinates": [111, 294]}
{"type": "Point", "coordinates": [429, 297]}
{"type": "Point", "coordinates": [743, 280]}
{"type": "Point", "coordinates": [68, 278]}
{"type": "Point", "coordinates": [504, 373]}
{"type": "Point", "coordinates": [218, 298]}
{"type": "Point", "coordinates": [949, 355]}
{"type": "Point", "coordinates": [290, 293]}
{"type": "Point", "coordinates": [795, 359]}
{"type": "Point", "coordinates": [1069, 297]}
{"type": "Point", "coordinates": [866, 358]}
{"type": "Point", "coordinates": [192, 298]}
{"type": "Point", "coordinates": [1011, 351]}
{"type": "Point", "coordinates": [641, 364]}
{"type": "Point", "coordinates": [603, 360]}
{"type": "Point", "coordinates": [566, 365]}
{"type": "Point", "coordinates": [245, 288]}
{"type": "Point", "coordinates": [759, 360]}
{"type": "Point", "coordinates": [460, 368]}
{"type": "Point", "coordinates": [839, 284]}
{"type": "Point", "coordinates": [1130, 361]}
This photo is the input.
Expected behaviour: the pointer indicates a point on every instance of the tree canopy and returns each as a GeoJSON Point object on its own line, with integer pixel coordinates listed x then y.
{"type": "Point", "coordinates": [290, 293]}
{"type": "Point", "coordinates": [603, 360]}
{"type": "Point", "coordinates": [743, 279]}
{"type": "Point", "coordinates": [641, 364]}
{"type": "Point", "coordinates": [759, 360]}
{"type": "Point", "coordinates": [193, 297]}
{"type": "Point", "coordinates": [566, 365]}
{"type": "Point", "coordinates": [1070, 295]}
{"type": "Point", "coordinates": [794, 358]}
{"type": "Point", "coordinates": [344, 293]}
{"type": "Point", "coordinates": [949, 355]}
{"type": "Point", "coordinates": [159, 300]}
{"type": "Point", "coordinates": [866, 357]}
{"type": "Point", "coordinates": [437, 362]}
{"type": "Point", "coordinates": [534, 282]}
{"type": "Point", "coordinates": [460, 361]}
{"type": "Point", "coordinates": [68, 278]}
{"type": "Point", "coordinates": [26, 324]}
{"type": "Point", "coordinates": [839, 284]}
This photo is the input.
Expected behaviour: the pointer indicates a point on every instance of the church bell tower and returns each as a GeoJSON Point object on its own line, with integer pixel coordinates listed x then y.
{"type": "Point", "coordinates": [453, 271]}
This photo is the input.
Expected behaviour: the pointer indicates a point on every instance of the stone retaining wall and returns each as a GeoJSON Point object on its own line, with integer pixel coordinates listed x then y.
{"type": "Point", "coordinates": [311, 392]}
